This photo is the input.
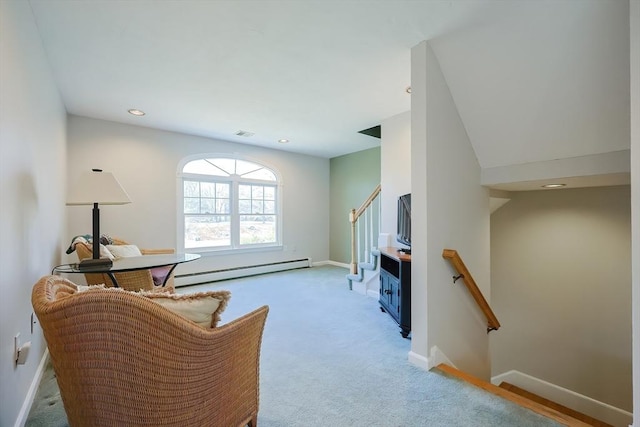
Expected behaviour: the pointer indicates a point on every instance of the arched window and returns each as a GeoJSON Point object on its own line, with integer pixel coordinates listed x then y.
{"type": "Point", "coordinates": [229, 203]}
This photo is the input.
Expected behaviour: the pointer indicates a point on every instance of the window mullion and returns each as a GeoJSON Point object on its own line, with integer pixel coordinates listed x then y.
{"type": "Point", "coordinates": [235, 215]}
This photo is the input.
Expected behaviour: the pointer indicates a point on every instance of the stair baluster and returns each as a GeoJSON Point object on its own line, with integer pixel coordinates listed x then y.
{"type": "Point", "coordinates": [364, 255]}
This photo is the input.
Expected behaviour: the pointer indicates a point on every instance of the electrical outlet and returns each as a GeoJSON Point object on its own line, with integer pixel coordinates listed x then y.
{"type": "Point", "coordinates": [20, 352]}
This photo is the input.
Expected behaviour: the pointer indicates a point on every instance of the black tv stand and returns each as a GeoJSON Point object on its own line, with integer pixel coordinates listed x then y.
{"type": "Point", "coordinates": [395, 287]}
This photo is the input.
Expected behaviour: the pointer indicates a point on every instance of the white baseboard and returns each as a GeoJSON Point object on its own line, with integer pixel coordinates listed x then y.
{"type": "Point", "coordinates": [418, 360]}
{"type": "Point", "coordinates": [581, 403]}
{"type": "Point", "coordinates": [436, 357]}
{"type": "Point", "coordinates": [33, 389]}
{"type": "Point", "coordinates": [334, 263]}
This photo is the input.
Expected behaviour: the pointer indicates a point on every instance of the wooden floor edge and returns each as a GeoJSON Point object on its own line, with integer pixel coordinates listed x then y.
{"type": "Point", "coordinates": [513, 397]}
{"type": "Point", "coordinates": [555, 405]}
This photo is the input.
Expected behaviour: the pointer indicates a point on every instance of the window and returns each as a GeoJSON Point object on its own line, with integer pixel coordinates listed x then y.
{"type": "Point", "coordinates": [229, 204]}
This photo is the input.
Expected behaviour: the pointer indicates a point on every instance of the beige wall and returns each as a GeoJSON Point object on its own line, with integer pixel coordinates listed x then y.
{"type": "Point", "coordinates": [145, 161]}
{"type": "Point", "coordinates": [396, 170]}
{"type": "Point", "coordinates": [634, 12]}
{"type": "Point", "coordinates": [32, 181]}
{"type": "Point", "coordinates": [450, 209]}
{"type": "Point", "coordinates": [561, 288]}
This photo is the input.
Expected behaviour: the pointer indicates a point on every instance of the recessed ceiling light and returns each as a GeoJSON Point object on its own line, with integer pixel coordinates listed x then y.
{"type": "Point", "coordinates": [554, 185]}
{"type": "Point", "coordinates": [136, 112]}
{"type": "Point", "coordinates": [283, 141]}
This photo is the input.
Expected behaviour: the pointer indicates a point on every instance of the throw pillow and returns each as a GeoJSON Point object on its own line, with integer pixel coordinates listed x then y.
{"type": "Point", "coordinates": [203, 308]}
{"type": "Point", "coordinates": [159, 274]}
{"type": "Point", "coordinates": [124, 251]}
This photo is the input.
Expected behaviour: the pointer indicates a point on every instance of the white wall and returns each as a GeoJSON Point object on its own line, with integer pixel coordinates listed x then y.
{"type": "Point", "coordinates": [145, 161]}
{"type": "Point", "coordinates": [395, 175]}
{"type": "Point", "coordinates": [634, 13]}
{"type": "Point", "coordinates": [561, 287]}
{"type": "Point", "coordinates": [32, 174]}
{"type": "Point", "coordinates": [450, 209]}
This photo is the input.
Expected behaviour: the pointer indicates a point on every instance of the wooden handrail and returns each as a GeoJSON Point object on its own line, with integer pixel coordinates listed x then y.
{"type": "Point", "coordinates": [463, 273]}
{"type": "Point", "coordinates": [355, 214]}
{"type": "Point", "coordinates": [353, 218]}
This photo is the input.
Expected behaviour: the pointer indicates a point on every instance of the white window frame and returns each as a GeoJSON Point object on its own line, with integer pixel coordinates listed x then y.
{"type": "Point", "coordinates": [235, 181]}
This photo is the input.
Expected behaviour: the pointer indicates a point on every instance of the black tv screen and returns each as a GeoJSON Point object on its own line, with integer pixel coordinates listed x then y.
{"type": "Point", "coordinates": [403, 234]}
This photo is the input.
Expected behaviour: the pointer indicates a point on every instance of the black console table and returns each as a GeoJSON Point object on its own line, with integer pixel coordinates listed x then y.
{"type": "Point", "coordinates": [395, 287]}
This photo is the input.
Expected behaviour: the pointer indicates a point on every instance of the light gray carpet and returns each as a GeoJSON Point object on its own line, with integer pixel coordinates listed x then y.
{"type": "Point", "coordinates": [330, 357]}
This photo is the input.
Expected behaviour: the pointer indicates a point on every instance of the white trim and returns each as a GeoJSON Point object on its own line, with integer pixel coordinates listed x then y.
{"type": "Point", "coordinates": [31, 394]}
{"type": "Point", "coordinates": [418, 360]}
{"type": "Point", "coordinates": [576, 401]}
{"type": "Point", "coordinates": [206, 252]}
{"type": "Point", "coordinates": [437, 356]}
{"type": "Point", "coordinates": [234, 180]}
{"type": "Point", "coordinates": [329, 262]}
{"type": "Point", "coordinates": [243, 271]}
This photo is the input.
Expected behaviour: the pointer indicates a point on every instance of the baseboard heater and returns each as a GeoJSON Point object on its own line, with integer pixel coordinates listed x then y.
{"type": "Point", "coordinates": [235, 272]}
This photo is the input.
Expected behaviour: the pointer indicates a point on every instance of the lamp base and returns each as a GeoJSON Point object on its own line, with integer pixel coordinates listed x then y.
{"type": "Point", "coordinates": [90, 263]}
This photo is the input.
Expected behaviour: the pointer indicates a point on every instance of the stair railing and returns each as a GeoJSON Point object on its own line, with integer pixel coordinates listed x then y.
{"type": "Point", "coordinates": [365, 234]}
{"type": "Point", "coordinates": [467, 279]}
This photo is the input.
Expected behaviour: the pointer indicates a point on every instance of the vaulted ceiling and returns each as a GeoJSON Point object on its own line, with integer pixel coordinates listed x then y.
{"type": "Point", "coordinates": [534, 81]}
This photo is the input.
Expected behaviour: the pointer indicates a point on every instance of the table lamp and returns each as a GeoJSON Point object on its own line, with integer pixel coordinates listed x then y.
{"type": "Point", "coordinates": [94, 188]}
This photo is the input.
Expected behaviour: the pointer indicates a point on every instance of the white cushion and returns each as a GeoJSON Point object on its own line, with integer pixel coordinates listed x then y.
{"type": "Point", "coordinates": [124, 251]}
{"type": "Point", "coordinates": [105, 253]}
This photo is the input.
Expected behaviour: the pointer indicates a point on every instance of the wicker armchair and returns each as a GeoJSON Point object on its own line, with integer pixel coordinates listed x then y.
{"type": "Point", "coordinates": [131, 280]}
{"type": "Point", "coordinates": [122, 359]}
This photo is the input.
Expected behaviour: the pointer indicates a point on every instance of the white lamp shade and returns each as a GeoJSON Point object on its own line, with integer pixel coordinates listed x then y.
{"type": "Point", "coordinates": [97, 187]}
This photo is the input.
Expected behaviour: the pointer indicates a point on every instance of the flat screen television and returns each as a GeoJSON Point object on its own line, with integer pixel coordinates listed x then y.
{"type": "Point", "coordinates": [403, 234]}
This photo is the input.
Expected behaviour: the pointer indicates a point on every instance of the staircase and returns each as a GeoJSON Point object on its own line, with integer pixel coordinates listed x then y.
{"type": "Point", "coordinates": [363, 267]}
{"type": "Point", "coordinates": [535, 403]}
{"type": "Point", "coordinates": [365, 227]}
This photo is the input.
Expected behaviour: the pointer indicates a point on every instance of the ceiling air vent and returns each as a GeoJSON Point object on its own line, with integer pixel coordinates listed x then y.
{"type": "Point", "coordinates": [245, 133]}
